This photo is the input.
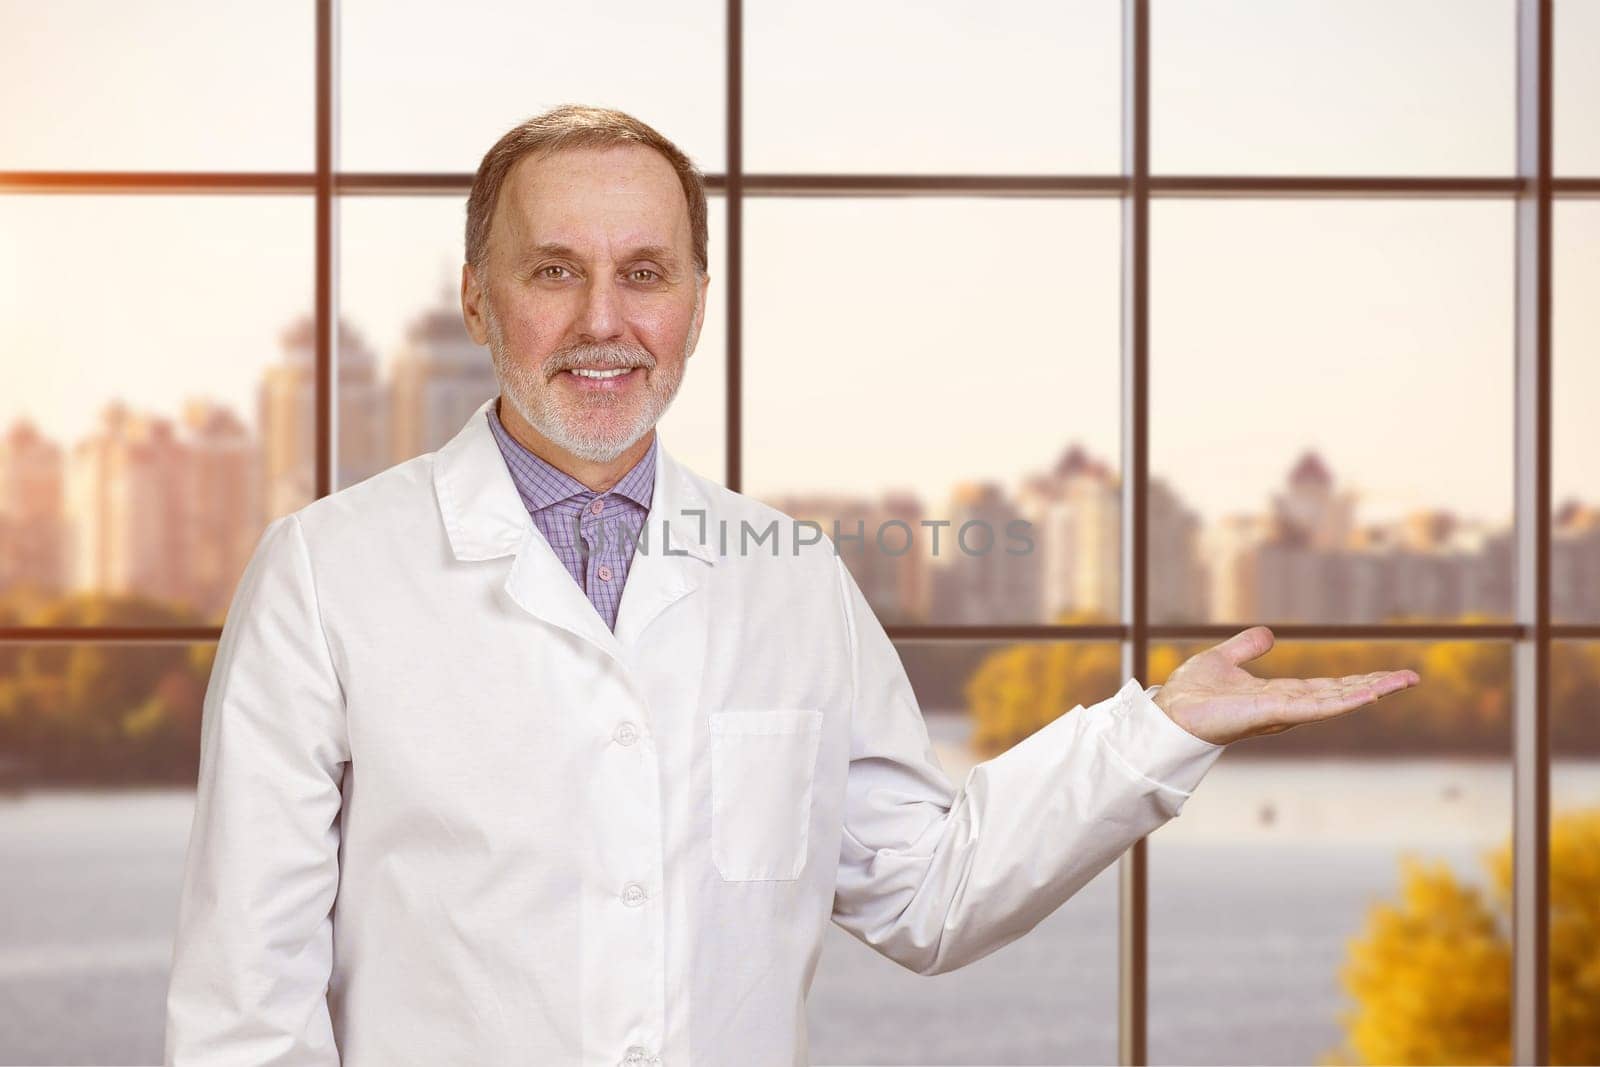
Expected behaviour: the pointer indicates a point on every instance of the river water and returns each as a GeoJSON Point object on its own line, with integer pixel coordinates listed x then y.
{"type": "Point", "coordinates": [1255, 892]}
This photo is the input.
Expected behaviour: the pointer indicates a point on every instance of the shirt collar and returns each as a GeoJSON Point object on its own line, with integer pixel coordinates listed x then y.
{"type": "Point", "coordinates": [541, 483]}
{"type": "Point", "coordinates": [485, 518]}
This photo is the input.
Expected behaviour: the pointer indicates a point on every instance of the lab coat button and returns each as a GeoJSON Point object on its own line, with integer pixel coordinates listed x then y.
{"type": "Point", "coordinates": [627, 734]}
{"type": "Point", "coordinates": [639, 1057]}
{"type": "Point", "coordinates": [633, 895]}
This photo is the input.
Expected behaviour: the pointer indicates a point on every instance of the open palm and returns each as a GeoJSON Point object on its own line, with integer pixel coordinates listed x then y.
{"type": "Point", "coordinates": [1217, 700]}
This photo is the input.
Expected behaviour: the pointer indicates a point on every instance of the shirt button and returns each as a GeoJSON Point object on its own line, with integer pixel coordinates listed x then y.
{"type": "Point", "coordinates": [605, 572]}
{"type": "Point", "coordinates": [627, 734]}
{"type": "Point", "coordinates": [597, 505]}
{"type": "Point", "coordinates": [633, 895]}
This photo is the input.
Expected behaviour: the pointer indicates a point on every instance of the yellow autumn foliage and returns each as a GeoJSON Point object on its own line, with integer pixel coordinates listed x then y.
{"type": "Point", "coordinates": [1431, 974]}
{"type": "Point", "coordinates": [1021, 688]}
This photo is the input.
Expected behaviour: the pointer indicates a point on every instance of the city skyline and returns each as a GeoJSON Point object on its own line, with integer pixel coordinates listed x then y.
{"type": "Point", "coordinates": [1337, 392]}
{"type": "Point", "coordinates": [950, 340]}
{"type": "Point", "coordinates": [357, 360]}
{"type": "Point", "coordinates": [171, 506]}
{"type": "Point", "coordinates": [190, 291]}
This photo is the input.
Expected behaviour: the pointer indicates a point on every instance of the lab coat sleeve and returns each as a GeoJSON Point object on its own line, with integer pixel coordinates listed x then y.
{"type": "Point", "coordinates": [254, 949]}
{"type": "Point", "coordinates": [935, 878]}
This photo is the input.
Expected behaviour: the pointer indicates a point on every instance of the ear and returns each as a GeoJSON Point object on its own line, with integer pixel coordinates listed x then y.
{"type": "Point", "coordinates": [703, 283]}
{"type": "Point", "coordinates": [473, 296]}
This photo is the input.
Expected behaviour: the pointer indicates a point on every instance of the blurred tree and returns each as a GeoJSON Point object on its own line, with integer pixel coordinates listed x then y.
{"type": "Point", "coordinates": [101, 609]}
{"type": "Point", "coordinates": [99, 712]}
{"type": "Point", "coordinates": [1431, 975]}
{"type": "Point", "coordinates": [1019, 689]}
{"type": "Point", "coordinates": [1469, 687]}
{"type": "Point", "coordinates": [103, 712]}
{"type": "Point", "coordinates": [1463, 706]}
{"type": "Point", "coordinates": [1575, 697]}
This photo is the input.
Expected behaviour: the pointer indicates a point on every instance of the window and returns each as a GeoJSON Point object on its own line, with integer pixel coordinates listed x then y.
{"type": "Point", "coordinates": [1251, 312]}
{"type": "Point", "coordinates": [94, 87]}
{"type": "Point", "coordinates": [1333, 87]}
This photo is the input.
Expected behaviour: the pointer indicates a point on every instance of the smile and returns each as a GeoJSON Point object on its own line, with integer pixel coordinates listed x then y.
{"type": "Point", "coordinates": [602, 379]}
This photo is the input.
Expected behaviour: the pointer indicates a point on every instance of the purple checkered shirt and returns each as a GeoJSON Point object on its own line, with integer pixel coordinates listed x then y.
{"type": "Point", "coordinates": [555, 500]}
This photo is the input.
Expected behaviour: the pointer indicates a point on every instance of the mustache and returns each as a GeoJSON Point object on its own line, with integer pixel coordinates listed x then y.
{"type": "Point", "coordinates": [610, 354]}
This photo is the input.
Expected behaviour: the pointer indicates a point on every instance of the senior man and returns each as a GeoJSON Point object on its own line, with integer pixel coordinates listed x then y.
{"type": "Point", "coordinates": [512, 755]}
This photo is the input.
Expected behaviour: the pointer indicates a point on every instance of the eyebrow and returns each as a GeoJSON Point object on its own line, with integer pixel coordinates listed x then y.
{"type": "Point", "coordinates": [552, 248]}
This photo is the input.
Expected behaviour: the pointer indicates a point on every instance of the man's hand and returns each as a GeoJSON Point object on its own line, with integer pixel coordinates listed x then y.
{"type": "Point", "coordinates": [1215, 699]}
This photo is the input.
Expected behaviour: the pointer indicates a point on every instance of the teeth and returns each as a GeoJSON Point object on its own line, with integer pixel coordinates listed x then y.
{"type": "Point", "coordinates": [613, 373]}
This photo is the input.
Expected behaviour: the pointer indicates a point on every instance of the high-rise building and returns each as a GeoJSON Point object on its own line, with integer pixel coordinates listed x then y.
{"type": "Point", "coordinates": [223, 499]}
{"type": "Point", "coordinates": [1575, 563]}
{"type": "Point", "coordinates": [1075, 511]}
{"type": "Point", "coordinates": [1177, 584]}
{"type": "Point", "coordinates": [1310, 513]}
{"type": "Point", "coordinates": [287, 418]}
{"type": "Point", "coordinates": [882, 542]}
{"type": "Point", "coordinates": [126, 505]}
{"type": "Point", "coordinates": [1302, 573]}
{"type": "Point", "coordinates": [901, 544]}
{"type": "Point", "coordinates": [440, 376]}
{"type": "Point", "coordinates": [1317, 565]}
{"type": "Point", "coordinates": [32, 526]}
{"type": "Point", "coordinates": [989, 575]}
{"type": "Point", "coordinates": [364, 435]}
{"type": "Point", "coordinates": [1229, 551]}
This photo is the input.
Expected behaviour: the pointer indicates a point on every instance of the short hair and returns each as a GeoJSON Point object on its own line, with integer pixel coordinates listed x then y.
{"type": "Point", "coordinates": [574, 126]}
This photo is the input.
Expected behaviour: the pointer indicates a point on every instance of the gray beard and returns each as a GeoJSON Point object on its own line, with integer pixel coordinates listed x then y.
{"type": "Point", "coordinates": [534, 397]}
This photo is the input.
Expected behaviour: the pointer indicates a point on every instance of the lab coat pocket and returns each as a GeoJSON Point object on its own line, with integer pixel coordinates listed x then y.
{"type": "Point", "coordinates": [762, 764]}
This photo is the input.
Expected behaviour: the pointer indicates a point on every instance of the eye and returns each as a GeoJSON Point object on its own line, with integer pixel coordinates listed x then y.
{"type": "Point", "coordinates": [544, 272]}
{"type": "Point", "coordinates": [643, 274]}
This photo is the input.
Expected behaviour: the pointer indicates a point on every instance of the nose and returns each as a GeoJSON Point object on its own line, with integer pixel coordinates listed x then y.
{"type": "Point", "coordinates": [601, 316]}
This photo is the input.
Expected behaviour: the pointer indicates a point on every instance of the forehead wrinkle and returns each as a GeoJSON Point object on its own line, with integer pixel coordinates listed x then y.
{"type": "Point", "coordinates": [657, 205]}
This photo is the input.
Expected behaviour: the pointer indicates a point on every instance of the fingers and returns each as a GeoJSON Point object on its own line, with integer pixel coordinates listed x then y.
{"type": "Point", "coordinates": [1246, 645]}
{"type": "Point", "coordinates": [1381, 683]}
{"type": "Point", "coordinates": [1322, 698]}
{"type": "Point", "coordinates": [1394, 681]}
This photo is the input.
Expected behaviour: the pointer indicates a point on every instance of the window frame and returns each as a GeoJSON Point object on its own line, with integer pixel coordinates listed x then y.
{"type": "Point", "coordinates": [1532, 188]}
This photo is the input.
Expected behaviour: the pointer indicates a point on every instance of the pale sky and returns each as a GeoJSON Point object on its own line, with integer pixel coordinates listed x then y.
{"type": "Point", "coordinates": [888, 342]}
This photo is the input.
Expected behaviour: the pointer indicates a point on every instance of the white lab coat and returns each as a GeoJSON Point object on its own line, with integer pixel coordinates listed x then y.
{"type": "Point", "coordinates": [446, 816]}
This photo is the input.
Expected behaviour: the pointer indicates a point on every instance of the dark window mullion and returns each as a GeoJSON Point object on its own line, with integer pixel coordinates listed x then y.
{"type": "Point", "coordinates": [1530, 804]}
{"type": "Point", "coordinates": [1133, 884]}
{"type": "Point", "coordinates": [325, 312]}
{"type": "Point", "coordinates": [733, 188]}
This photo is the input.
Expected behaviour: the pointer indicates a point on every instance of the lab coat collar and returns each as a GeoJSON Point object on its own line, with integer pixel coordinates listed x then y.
{"type": "Point", "coordinates": [485, 518]}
